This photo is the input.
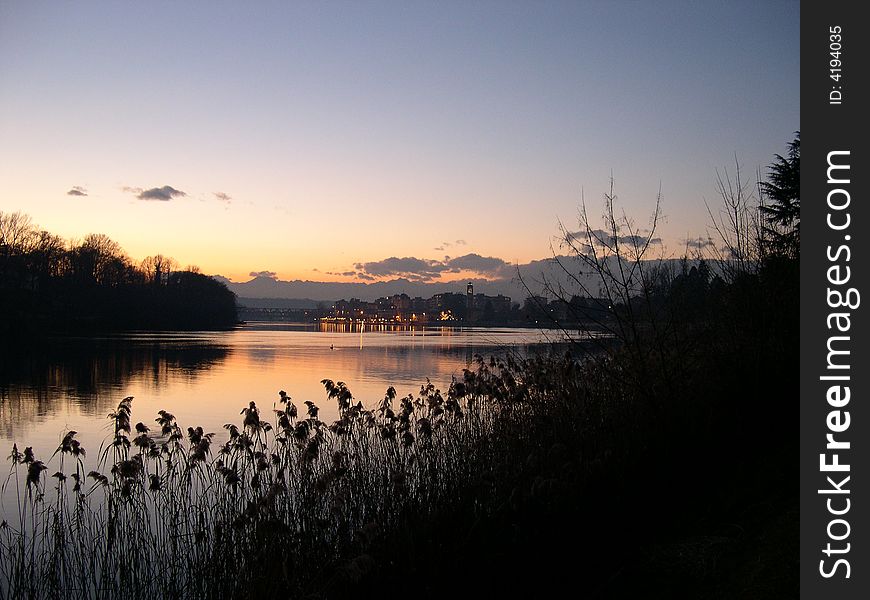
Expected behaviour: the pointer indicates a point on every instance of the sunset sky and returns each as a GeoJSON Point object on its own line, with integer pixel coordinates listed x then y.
{"type": "Point", "coordinates": [316, 140]}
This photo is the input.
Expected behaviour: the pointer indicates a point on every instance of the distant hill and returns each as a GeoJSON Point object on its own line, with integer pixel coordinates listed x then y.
{"type": "Point", "coordinates": [309, 293]}
{"type": "Point", "coordinates": [306, 294]}
{"type": "Point", "coordinates": [291, 303]}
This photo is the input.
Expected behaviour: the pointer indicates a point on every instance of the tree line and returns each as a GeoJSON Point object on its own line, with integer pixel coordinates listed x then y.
{"type": "Point", "coordinates": [49, 284]}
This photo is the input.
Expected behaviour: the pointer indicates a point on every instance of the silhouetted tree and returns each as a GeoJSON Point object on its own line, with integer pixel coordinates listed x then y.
{"type": "Point", "coordinates": [737, 225]}
{"type": "Point", "coordinates": [157, 268]}
{"type": "Point", "coordinates": [48, 284]}
{"type": "Point", "coordinates": [197, 301]}
{"type": "Point", "coordinates": [16, 232]}
{"type": "Point", "coordinates": [17, 235]}
{"type": "Point", "coordinates": [47, 257]}
{"type": "Point", "coordinates": [104, 260]}
{"type": "Point", "coordinates": [782, 214]}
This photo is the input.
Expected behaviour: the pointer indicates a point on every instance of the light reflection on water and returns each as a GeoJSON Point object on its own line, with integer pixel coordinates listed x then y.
{"type": "Point", "coordinates": [206, 378]}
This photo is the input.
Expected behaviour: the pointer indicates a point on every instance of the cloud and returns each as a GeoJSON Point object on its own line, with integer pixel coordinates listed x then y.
{"type": "Point", "coordinates": [223, 197]}
{"type": "Point", "coordinates": [162, 194]}
{"type": "Point", "coordinates": [577, 241]}
{"type": "Point", "coordinates": [460, 242]}
{"type": "Point", "coordinates": [77, 190]}
{"type": "Point", "coordinates": [699, 243]}
{"type": "Point", "coordinates": [415, 269]}
{"type": "Point", "coordinates": [423, 269]}
{"type": "Point", "coordinates": [268, 274]}
{"type": "Point", "coordinates": [604, 237]}
{"type": "Point", "coordinates": [639, 240]}
{"type": "Point", "coordinates": [479, 264]}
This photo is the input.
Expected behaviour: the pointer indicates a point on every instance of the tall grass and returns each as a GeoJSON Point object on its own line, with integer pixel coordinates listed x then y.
{"type": "Point", "coordinates": [286, 505]}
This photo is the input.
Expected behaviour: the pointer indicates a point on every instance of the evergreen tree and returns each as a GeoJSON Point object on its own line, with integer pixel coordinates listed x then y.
{"type": "Point", "coordinates": [782, 212]}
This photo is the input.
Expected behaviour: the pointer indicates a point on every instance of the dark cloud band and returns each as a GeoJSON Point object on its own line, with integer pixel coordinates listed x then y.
{"type": "Point", "coordinates": [422, 269]}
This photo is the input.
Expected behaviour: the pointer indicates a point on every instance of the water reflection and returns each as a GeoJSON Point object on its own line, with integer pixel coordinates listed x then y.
{"type": "Point", "coordinates": [88, 374]}
{"type": "Point", "coordinates": [206, 378]}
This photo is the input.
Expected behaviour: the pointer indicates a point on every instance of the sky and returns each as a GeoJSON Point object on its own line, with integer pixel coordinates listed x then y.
{"type": "Point", "coordinates": [322, 140]}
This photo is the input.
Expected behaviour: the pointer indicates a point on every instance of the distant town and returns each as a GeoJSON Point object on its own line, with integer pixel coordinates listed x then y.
{"type": "Point", "coordinates": [448, 308]}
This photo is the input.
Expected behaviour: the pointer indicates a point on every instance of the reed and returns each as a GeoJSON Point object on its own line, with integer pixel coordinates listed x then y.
{"type": "Point", "coordinates": [285, 503]}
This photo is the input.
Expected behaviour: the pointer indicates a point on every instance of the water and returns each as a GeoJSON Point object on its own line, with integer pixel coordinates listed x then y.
{"type": "Point", "coordinates": [206, 378]}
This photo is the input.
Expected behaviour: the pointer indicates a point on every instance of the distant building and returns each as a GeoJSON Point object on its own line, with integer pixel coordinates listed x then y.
{"type": "Point", "coordinates": [401, 302]}
{"type": "Point", "coordinates": [446, 306]}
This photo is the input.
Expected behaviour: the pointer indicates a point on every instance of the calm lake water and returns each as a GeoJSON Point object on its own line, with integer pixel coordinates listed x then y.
{"type": "Point", "coordinates": [206, 378]}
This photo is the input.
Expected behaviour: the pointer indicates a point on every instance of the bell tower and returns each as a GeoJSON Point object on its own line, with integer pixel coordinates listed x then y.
{"type": "Point", "coordinates": [469, 300]}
